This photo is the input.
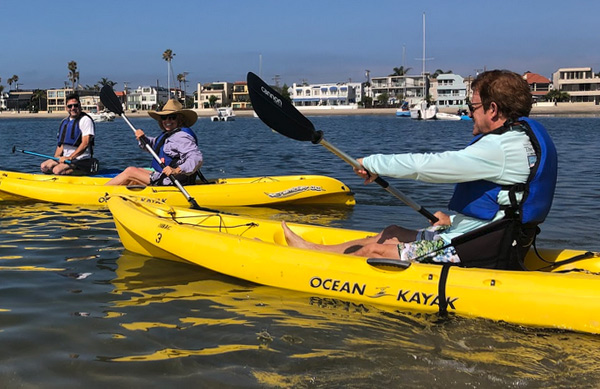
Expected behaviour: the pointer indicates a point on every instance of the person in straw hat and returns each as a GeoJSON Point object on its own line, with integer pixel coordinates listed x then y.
{"type": "Point", "coordinates": [176, 146]}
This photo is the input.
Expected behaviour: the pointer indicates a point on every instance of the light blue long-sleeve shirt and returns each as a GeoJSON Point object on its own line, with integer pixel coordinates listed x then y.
{"type": "Point", "coordinates": [503, 159]}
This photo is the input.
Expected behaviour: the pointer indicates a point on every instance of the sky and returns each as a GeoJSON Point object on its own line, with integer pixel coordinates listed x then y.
{"type": "Point", "coordinates": [299, 41]}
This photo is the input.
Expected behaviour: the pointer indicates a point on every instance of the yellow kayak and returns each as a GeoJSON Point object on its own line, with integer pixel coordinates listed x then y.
{"type": "Point", "coordinates": [230, 192]}
{"type": "Point", "coordinates": [564, 297]}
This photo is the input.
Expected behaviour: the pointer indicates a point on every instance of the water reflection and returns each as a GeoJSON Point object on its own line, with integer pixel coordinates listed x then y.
{"type": "Point", "coordinates": [283, 335]}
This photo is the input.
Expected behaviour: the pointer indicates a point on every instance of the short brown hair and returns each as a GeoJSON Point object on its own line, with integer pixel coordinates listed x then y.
{"type": "Point", "coordinates": [507, 89]}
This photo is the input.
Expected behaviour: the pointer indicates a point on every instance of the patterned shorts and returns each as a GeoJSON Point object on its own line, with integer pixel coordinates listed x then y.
{"type": "Point", "coordinates": [429, 247]}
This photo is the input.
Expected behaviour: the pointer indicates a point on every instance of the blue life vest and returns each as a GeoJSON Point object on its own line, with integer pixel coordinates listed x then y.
{"type": "Point", "coordinates": [159, 147]}
{"type": "Point", "coordinates": [69, 132]}
{"type": "Point", "coordinates": [479, 198]}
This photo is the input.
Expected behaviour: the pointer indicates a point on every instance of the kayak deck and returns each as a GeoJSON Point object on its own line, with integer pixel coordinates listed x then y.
{"type": "Point", "coordinates": [226, 192]}
{"type": "Point", "coordinates": [255, 250]}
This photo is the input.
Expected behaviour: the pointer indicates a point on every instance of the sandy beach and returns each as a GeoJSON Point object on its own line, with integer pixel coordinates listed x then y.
{"type": "Point", "coordinates": [560, 109]}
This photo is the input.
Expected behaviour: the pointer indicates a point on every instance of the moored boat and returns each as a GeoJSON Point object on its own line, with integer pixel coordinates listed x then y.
{"type": "Point", "coordinates": [224, 192]}
{"type": "Point", "coordinates": [447, 116]}
{"type": "Point", "coordinates": [224, 114]}
{"type": "Point", "coordinates": [553, 294]}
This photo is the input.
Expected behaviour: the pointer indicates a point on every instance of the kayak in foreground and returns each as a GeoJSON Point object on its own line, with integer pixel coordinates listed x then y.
{"type": "Point", "coordinates": [226, 192]}
{"type": "Point", "coordinates": [564, 297]}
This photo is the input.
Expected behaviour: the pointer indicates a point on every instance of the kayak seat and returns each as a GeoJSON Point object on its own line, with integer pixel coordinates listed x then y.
{"type": "Point", "coordinates": [502, 244]}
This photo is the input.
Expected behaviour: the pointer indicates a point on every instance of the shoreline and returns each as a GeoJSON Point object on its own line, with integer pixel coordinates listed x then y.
{"type": "Point", "coordinates": [559, 110]}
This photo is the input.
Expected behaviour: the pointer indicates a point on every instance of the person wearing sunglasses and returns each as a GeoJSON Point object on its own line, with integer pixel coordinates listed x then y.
{"type": "Point", "coordinates": [176, 146]}
{"type": "Point", "coordinates": [74, 152]}
{"type": "Point", "coordinates": [505, 181]}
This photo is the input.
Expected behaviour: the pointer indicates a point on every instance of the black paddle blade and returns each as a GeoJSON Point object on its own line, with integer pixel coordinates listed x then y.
{"type": "Point", "coordinates": [278, 113]}
{"type": "Point", "coordinates": [110, 100]}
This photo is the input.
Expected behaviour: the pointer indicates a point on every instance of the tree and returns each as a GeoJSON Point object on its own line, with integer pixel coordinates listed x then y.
{"type": "Point", "coordinates": [284, 91]}
{"type": "Point", "coordinates": [401, 71]}
{"type": "Point", "coordinates": [105, 81]}
{"type": "Point", "coordinates": [212, 100]}
{"type": "Point", "coordinates": [14, 79]}
{"type": "Point", "coordinates": [180, 79]}
{"type": "Point", "coordinates": [73, 73]}
{"type": "Point", "coordinates": [383, 98]}
{"type": "Point", "coordinates": [438, 72]}
{"type": "Point", "coordinates": [557, 95]}
{"type": "Point", "coordinates": [38, 95]}
{"type": "Point", "coordinates": [168, 56]}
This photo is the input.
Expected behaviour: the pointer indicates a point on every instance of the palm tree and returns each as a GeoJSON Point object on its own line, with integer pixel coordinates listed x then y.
{"type": "Point", "coordinates": [168, 56]}
{"type": "Point", "coordinates": [14, 79]}
{"type": "Point", "coordinates": [38, 95]}
{"type": "Point", "coordinates": [440, 71]}
{"type": "Point", "coordinates": [105, 81]}
{"type": "Point", "coordinates": [73, 73]}
{"type": "Point", "coordinates": [401, 71]}
{"type": "Point", "coordinates": [557, 95]}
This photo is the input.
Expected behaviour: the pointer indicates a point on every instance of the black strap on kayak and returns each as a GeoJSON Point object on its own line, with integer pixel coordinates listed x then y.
{"type": "Point", "coordinates": [576, 258]}
{"type": "Point", "coordinates": [389, 263]}
{"type": "Point", "coordinates": [442, 299]}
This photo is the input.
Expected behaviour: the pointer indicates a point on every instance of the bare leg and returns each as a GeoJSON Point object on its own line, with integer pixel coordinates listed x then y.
{"type": "Point", "coordinates": [383, 245]}
{"type": "Point", "coordinates": [62, 169]}
{"type": "Point", "coordinates": [132, 174]}
{"type": "Point", "coordinates": [294, 240]}
{"type": "Point", "coordinates": [47, 166]}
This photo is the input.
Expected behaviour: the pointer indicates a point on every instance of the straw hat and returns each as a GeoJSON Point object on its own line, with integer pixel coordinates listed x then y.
{"type": "Point", "coordinates": [174, 106]}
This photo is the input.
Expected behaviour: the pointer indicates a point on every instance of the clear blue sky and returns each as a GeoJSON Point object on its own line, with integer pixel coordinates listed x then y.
{"type": "Point", "coordinates": [312, 40]}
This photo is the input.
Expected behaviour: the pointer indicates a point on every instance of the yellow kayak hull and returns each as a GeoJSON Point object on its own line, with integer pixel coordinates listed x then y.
{"type": "Point", "coordinates": [255, 250]}
{"type": "Point", "coordinates": [229, 192]}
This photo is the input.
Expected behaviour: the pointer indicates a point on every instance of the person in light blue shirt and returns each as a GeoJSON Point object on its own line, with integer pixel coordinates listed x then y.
{"type": "Point", "coordinates": [492, 175]}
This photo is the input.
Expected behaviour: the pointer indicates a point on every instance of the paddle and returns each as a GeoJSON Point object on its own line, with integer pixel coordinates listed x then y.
{"type": "Point", "coordinates": [279, 114]}
{"type": "Point", "coordinates": [38, 154]}
{"type": "Point", "coordinates": [113, 104]}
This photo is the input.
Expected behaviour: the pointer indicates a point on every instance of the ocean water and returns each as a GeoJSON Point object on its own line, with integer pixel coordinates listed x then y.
{"type": "Point", "coordinates": [76, 309]}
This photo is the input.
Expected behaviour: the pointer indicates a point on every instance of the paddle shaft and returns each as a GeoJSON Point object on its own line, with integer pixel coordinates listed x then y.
{"type": "Point", "coordinates": [383, 183]}
{"type": "Point", "coordinates": [39, 155]}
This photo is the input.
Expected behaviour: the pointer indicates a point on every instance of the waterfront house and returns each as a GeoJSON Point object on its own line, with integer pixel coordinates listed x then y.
{"type": "Point", "coordinates": [214, 94]}
{"type": "Point", "coordinates": [582, 85]}
{"type": "Point", "coordinates": [398, 88]}
{"type": "Point", "coordinates": [241, 96]}
{"type": "Point", "coordinates": [147, 98]}
{"type": "Point", "coordinates": [539, 85]}
{"type": "Point", "coordinates": [327, 95]}
{"type": "Point", "coordinates": [449, 91]}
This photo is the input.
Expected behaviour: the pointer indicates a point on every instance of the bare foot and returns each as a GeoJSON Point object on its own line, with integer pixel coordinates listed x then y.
{"type": "Point", "coordinates": [293, 239]}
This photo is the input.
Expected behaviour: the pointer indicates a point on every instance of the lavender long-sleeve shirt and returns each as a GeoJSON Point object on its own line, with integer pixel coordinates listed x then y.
{"type": "Point", "coordinates": [182, 147]}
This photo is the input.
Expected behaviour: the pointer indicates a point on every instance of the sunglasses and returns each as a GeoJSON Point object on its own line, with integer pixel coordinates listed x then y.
{"type": "Point", "coordinates": [171, 117]}
{"type": "Point", "coordinates": [473, 107]}
{"type": "Point", "coordinates": [73, 106]}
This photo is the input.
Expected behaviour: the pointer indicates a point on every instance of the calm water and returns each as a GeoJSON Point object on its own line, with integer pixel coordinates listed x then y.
{"type": "Point", "coordinates": [75, 308]}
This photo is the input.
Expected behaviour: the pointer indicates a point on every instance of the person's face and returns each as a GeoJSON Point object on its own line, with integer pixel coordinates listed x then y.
{"type": "Point", "coordinates": [478, 114]}
{"type": "Point", "coordinates": [73, 107]}
{"type": "Point", "coordinates": [170, 122]}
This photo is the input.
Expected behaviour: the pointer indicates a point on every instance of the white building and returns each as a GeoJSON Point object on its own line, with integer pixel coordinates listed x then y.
{"type": "Point", "coordinates": [580, 83]}
{"type": "Point", "coordinates": [449, 91]}
{"type": "Point", "coordinates": [326, 95]}
{"type": "Point", "coordinates": [398, 88]}
{"type": "Point", "coordinates": [3, 99]}
{"type": "Point", "coordinates": [146, 98]}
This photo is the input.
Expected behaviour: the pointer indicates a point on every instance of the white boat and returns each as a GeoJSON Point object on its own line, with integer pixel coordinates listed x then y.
{"type": "Point", "coordinates": [102, 116]}
{"type": "Point", "coordinates": [224, 114]}
{"type": "Point", "coordinates": [423, 111]}
{"type": "Point", "coordinates": [447, 116]}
